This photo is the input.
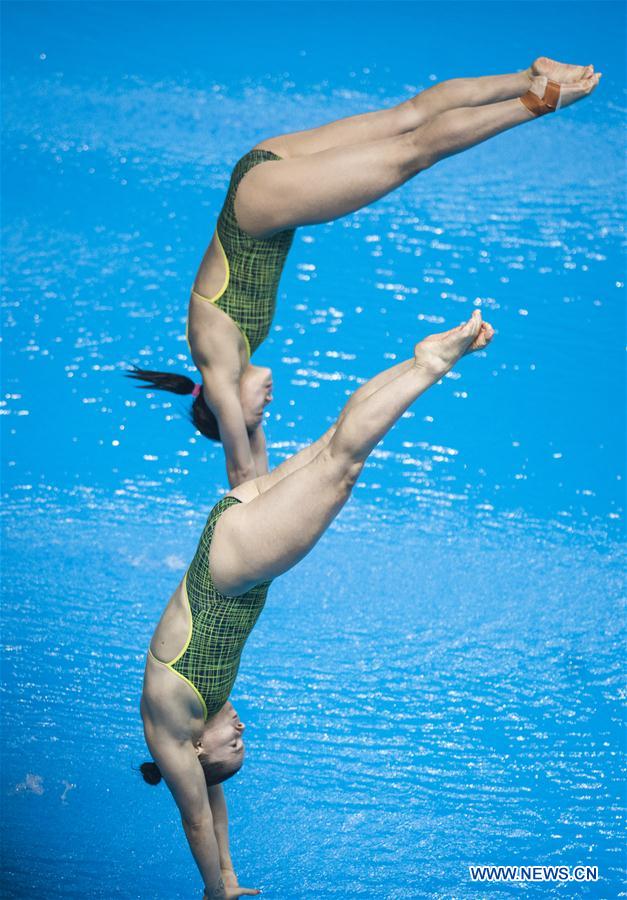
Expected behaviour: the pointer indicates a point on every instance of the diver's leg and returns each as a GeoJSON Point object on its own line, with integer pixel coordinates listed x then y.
{"type": "Point", "coordinates": [382, 123]}
{"type": "Point", "coordinates": [281, 194]}
{"type": "Point", "coordinates": [450, 94]}
{"type": "Point", "coordinates": [260, 539]}
{"type": "Point", "coordinates": [308, 453]}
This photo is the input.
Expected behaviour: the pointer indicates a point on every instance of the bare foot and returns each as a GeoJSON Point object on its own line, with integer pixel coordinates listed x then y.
{"type": "Point", "coordinates": [439, 352]}
{"type": "Point", "coordinates": [557, 71]}
{"type": "Point", "coordinates": [569, 93]}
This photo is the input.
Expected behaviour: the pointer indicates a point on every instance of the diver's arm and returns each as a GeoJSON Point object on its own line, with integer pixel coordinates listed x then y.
{"type": "Point", "coordinates": [202, 842]}
{"type": "Point", "coordinates": [240, 465]}
{"type": "Point", "coordinates": [217, 801]}
{"type": "Point", "coordinates": [232, 887]}
{"type": "Point", "coordinates": [258, 449]}
{"type": "Point", "coordinates": [184, 775]}
{"type": "Point", "coordinates": [221, 394]}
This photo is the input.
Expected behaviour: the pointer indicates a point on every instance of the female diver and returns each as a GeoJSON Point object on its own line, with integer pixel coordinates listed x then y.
{"type": "Point", "coordinates": [256, 532]}
{"type": "Point", "coordinates": [316, 176]}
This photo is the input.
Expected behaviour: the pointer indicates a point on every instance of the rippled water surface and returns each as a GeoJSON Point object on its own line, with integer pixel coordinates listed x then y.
{"type": "Point", "coordinates": [441, 682]}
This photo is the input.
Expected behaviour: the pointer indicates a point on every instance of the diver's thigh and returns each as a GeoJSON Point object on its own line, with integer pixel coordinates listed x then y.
{"type": "Point", "coordinates": [307, 190]}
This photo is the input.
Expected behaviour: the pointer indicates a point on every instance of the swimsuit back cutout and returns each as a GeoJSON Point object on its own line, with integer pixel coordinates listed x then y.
{"type": "Point", "coordinates": [253, 265]}
{"type": "Point", "coordinates": [220, 625]}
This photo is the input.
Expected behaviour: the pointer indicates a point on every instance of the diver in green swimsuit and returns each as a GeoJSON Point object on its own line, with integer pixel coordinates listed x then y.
{"type": "Point", "coordinates": [316, 176]}
{"type": "Point", "coordinates": [260, 530]}
{"type": "Point", "coordinates": [210, 657]}
{"type": "Point", "coordinates": [253, 266]}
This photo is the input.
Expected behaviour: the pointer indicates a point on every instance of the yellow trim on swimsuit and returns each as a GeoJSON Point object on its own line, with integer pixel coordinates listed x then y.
{"type": "Point", "coordinates": [221, 623]}
{"type": "Point", "coordinates": [170, 665]}
{"type": "Point", "coordinates": [254, 265]}
{"type": "Point", "coordinates": [217, 296]}
{"type": "Point", "coordinates": [226, 277]}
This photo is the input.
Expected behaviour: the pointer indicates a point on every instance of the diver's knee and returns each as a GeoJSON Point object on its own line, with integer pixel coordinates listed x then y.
{"type": "Point", "coordinates": [351, 476]}
{"type": "Point", "coordinates": [343, 469]}
{"type": "Point", "coordinates": [416, 154]}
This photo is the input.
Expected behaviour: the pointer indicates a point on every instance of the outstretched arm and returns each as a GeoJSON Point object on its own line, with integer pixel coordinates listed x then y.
{"type": "Point", "coordinates": [221, 394]}
{"type": "Point", "coordinates": [183, 774]}
{"type": "Point", "coordinates": [217, 800]}
{"type": "Point", "coordinates": [265, 536]}
{"type": "Point", "coordinates": [258, 450]}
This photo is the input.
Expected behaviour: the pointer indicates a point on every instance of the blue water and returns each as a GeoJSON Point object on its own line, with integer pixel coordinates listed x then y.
{"type": "Point", "coordinates": [441, 683]}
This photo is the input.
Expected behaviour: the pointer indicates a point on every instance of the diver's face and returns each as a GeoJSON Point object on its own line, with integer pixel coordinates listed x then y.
{"type": "Point", "coordinates": [222, 738]}
{"type": "Point", "coordinates": [255, 394]}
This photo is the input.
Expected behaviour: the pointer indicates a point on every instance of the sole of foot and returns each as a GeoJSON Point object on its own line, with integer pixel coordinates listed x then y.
{"type": "Point", "coordinates": [439, 352]}
{"type": "Point", "coordinates": [565, 73]}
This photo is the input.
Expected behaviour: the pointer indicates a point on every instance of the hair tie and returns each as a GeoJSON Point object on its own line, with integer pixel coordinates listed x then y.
{"type": "Point", "coordinates": [196, 390]}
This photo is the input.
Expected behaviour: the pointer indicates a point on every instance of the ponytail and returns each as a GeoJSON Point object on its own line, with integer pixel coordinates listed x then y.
{"type": "Point", "coordinates": [162, 381]}
{"type": "Point", "coordinates": [200, 414]}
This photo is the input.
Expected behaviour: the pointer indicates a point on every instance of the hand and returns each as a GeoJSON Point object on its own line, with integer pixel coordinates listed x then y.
{"type": "Point", "coordinates": [232, 889]}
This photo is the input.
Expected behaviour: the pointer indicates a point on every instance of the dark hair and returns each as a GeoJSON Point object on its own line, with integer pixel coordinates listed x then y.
{"type": "Point", "coordinates": [200, 414]}
{"type": "Point", "coordinates": [215, 772]}
{"type": "Point", "coordinates": [151, 772]}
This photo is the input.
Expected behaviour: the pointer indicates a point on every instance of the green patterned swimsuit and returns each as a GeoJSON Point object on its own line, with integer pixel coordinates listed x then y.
{"type": "Point", "coordinates": [219, 626]}
{"type": "Point", "coordinates": [253, 265]}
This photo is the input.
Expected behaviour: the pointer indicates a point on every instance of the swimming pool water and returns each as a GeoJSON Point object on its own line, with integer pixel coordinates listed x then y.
{"type": "Point", "coordinates": [441, 682]}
